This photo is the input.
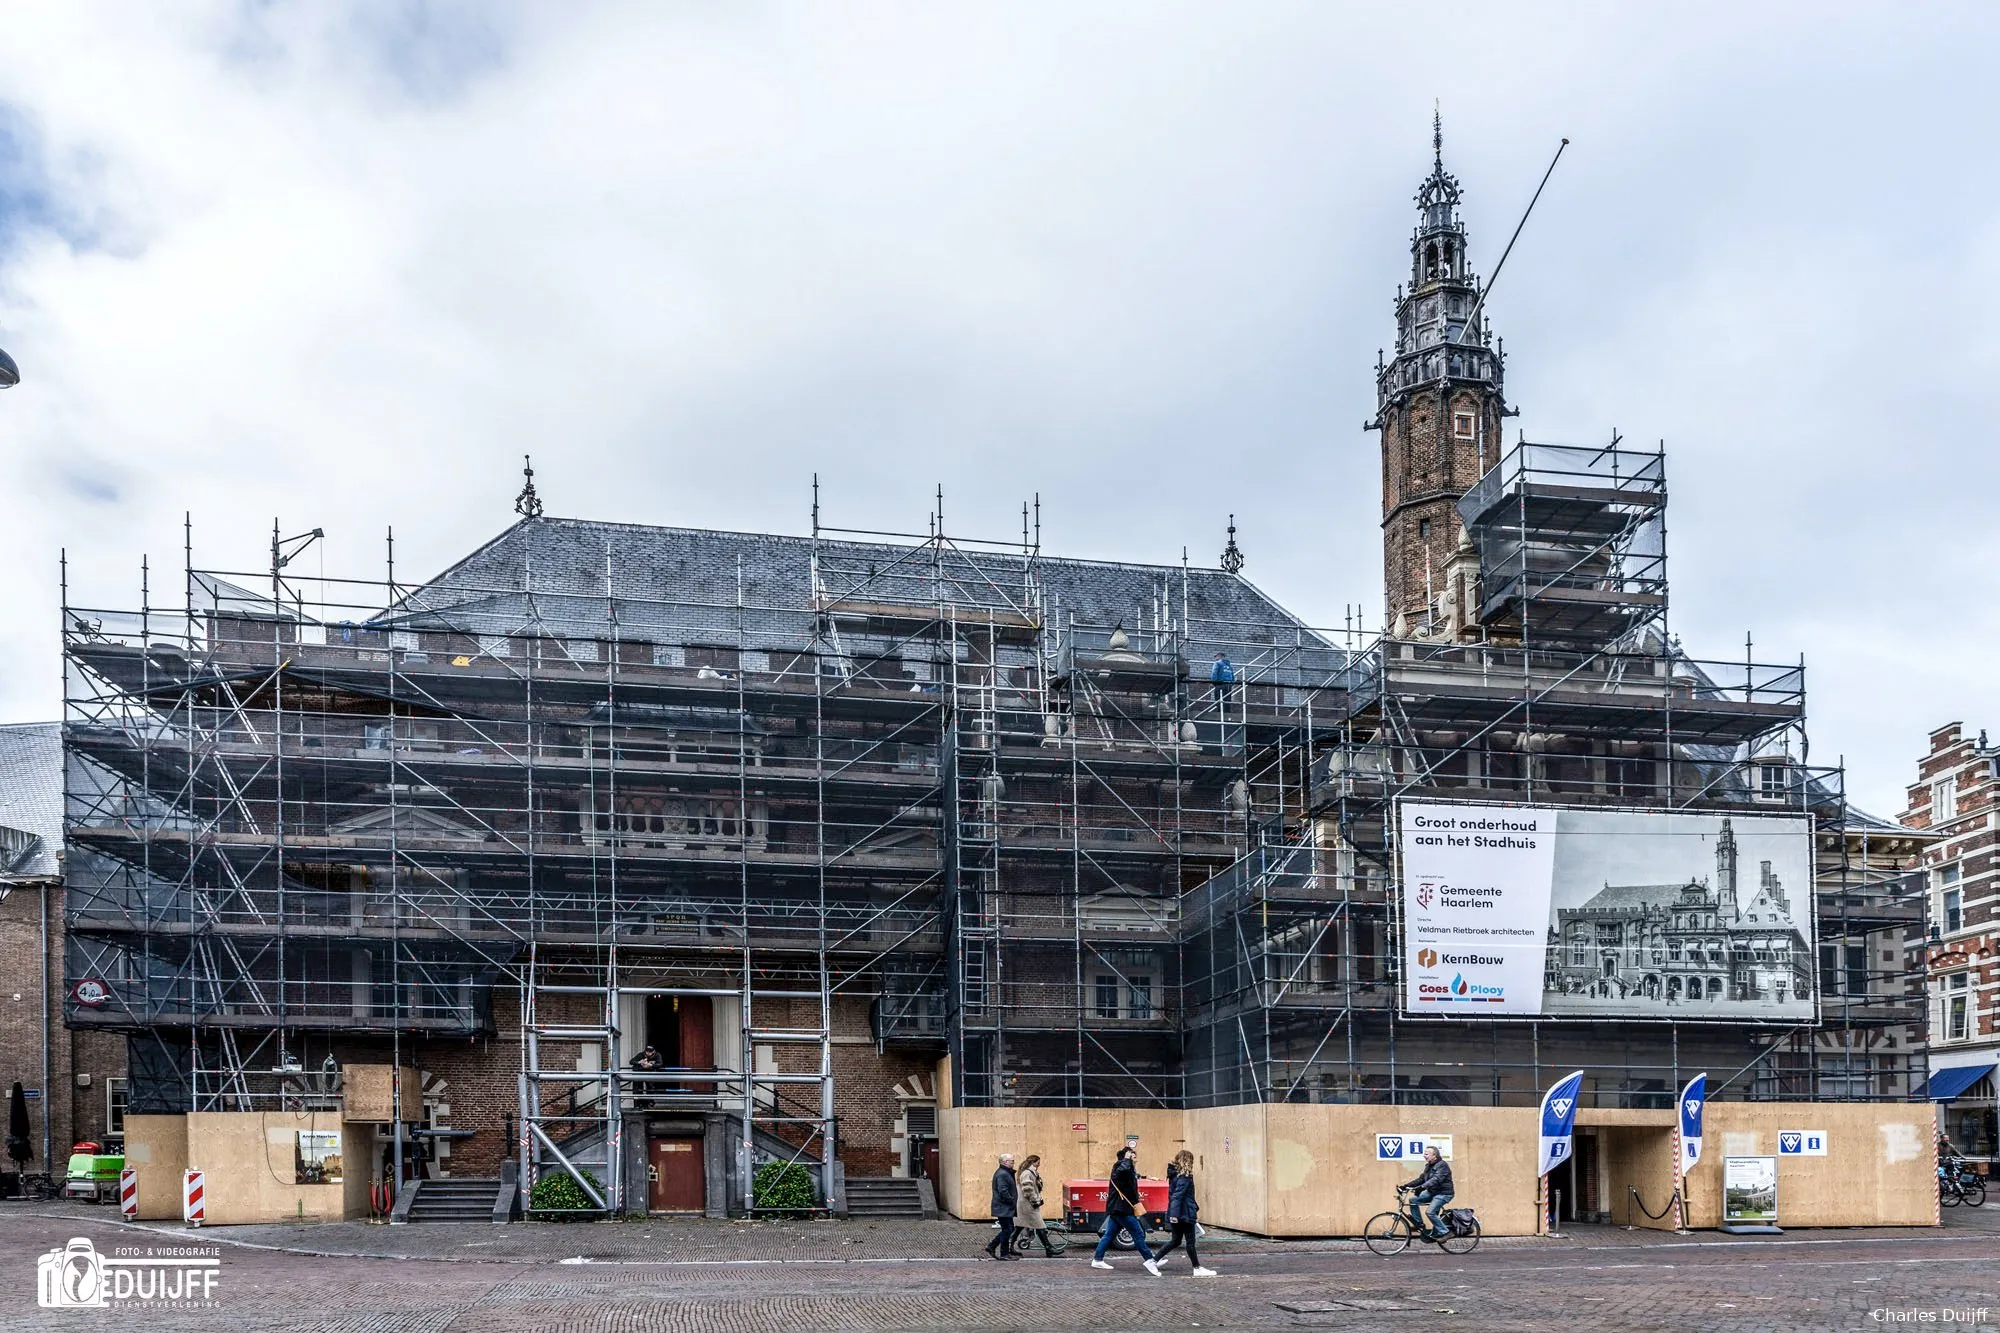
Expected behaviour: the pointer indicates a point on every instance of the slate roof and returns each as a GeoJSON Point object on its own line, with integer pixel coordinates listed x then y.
{"type": "Point", "coordinates": [1626, 897]}
{"type": "Point", "coordinates": [31, 800]}
{"type": "Point", "coordinates": [679, 586]}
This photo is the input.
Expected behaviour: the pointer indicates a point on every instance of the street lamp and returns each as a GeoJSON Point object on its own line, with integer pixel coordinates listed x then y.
{"type": "Point", "coordinates": [10, 374]}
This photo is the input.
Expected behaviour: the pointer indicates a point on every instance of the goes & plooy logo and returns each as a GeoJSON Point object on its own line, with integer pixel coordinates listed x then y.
{"type": "Point", "coordinates": [1427, 958]}
{"type": "Point", "coordinates": [1458, 986]}
{"type": "Point", "coordinates": [71, 1278]}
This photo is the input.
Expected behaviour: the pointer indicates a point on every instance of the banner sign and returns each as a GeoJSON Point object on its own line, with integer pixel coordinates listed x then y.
{"type": "Point", "coordinates": [1750, 1191]}
{"type": "Point", "coordinates": [1559, 1121]}
{"type": "Point", "coordinates": [1694, 1100]}
{"type": "Point", "coordinates": [1605, 913]}
{"type": "Point", "coordinates": [1801, 1143]}
{"type": "Point", "coordinates": [1406, 1147]}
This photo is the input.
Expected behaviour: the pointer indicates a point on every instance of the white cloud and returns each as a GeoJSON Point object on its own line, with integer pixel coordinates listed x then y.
{"type": "Point", "coordinates": [346, 265]}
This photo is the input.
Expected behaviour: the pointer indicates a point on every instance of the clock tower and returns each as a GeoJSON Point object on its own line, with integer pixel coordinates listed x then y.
{"type": "Point", "coordinates": [1439, 408]}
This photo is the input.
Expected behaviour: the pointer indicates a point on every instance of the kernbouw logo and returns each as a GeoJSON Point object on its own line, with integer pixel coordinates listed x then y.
{"type": "Point", "coordinates": [1427, 958]}
{"type": "Point", "coordinates": [175, 1277]}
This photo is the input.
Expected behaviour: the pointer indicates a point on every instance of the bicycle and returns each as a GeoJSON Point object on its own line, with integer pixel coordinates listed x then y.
{"type": "Point", "coordinates": [1957, 1184]}
{"type": "Point", "coordinates": [1025, 1242]}
{"type": "Point", "coordinates": [1390, 1233]}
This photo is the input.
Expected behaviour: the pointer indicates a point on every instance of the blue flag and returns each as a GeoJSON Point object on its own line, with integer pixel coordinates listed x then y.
{"type": "Point", "coordinates": [1694, 1100]}
{"type": "Point", "coordinates": [1558, 1120]}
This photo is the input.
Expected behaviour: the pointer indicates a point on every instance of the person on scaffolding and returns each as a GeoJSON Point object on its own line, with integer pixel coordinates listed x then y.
{"type": "Point", "coordinates": [1221, 679]}
{"type": "Point", "coordinates": [648, 1061]}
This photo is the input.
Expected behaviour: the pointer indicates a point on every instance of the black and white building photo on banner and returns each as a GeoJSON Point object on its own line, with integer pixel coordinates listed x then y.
{"type": "Point", "coordinates": [1537, 910]}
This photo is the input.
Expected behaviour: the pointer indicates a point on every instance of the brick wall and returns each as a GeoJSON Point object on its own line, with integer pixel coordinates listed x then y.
{"type": "Point", "coordinates": [74, 1113]}
{"type": "Point", "coordinates": [1425, 469]}
{"type": "Point", "coordinates": [1956, 793]}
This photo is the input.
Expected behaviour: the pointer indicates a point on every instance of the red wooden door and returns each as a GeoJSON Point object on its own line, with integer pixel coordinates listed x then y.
{"type": "Point", "coordinates": [697, 1032]}
{"type": "Point", "coordinates": [676, 1181]}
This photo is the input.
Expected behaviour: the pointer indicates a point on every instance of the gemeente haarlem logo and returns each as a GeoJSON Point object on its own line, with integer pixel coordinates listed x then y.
{"type": "Point", "coordinates": [77, 1277]}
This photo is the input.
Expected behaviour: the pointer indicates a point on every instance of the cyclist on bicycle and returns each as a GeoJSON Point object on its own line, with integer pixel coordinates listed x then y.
{"type": "Point", "coordinates": [1432, 1187]}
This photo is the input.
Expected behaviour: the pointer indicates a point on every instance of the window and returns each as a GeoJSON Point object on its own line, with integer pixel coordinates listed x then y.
{"type": "Point", "coordinates": [114, 1106]}
{"type": "Point", "coordinates": [1423, 529]}
{"type": "Point", "coordinates": [1857, 969]}
{"type": "Point", "coordinates": [1954, 911]}
{"type": "Point", "coordinates": [1463, 425]}
{"type": "Point", "coordinates": [1944, 801]}
{"type": "Point", "coordinates": [1142, 997]}
{"type": "Point", "coordinates": [1107, 997]}
{"type": "Point", "coordinates": [1771, 783]}
{"type": "Point", "coordinates": [1955, 1022]}
{"type": "Point", "coordinates": [1674, 950]}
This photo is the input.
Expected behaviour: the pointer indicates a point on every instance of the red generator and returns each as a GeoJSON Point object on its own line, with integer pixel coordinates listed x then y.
{"type": "Point", "coordinates": [1083, 1207]}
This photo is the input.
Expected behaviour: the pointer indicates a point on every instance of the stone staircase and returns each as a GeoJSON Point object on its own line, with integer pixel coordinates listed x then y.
{"type": "Point", "coordinates": [455, 1200]}
{"type": "Point", "coordinates": [886, 1196]}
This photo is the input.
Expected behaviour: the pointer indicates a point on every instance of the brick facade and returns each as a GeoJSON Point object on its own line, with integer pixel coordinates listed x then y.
{"type": "Point", "coordinates": [1957, 794]}
{"type": "Point", "coordinates": [81, 1064]}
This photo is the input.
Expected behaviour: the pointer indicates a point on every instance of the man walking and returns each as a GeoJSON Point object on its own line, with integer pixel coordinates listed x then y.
{"type": "Point", "coordinates": [1121, 1206]}
{"type": "Point", "coordinates": [1006, 1199]}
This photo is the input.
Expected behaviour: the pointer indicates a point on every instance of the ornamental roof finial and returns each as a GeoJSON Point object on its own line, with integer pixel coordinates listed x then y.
{"type": "Point", "coordinates": [527, 504]}
{"type": "Point", "coordinates": [1232, 554]}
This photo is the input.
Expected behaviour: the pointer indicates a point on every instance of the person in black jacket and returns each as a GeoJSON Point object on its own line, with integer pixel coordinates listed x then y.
{"type": "Point", "coordinates": [1182, 1209]}
{"type": "Point", "coordinates": [1121, 1205]}
{"type": "Point", "coordinates": [1006, 1198]}
{"type": "Point", "coordinates": [1432, 1187]}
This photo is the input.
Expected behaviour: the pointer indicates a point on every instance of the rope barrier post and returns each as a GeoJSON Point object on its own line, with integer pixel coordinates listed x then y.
{"type": "Point", "coordinates": [1555, 1214]}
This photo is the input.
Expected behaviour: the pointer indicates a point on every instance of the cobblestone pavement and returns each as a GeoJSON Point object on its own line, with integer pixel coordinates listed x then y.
{"type": "Point", "coordinates": [745, 1278]}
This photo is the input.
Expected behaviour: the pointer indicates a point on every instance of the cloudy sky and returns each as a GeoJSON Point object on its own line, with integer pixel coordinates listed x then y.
{"type": "Point", "coordinates": [343, 266]}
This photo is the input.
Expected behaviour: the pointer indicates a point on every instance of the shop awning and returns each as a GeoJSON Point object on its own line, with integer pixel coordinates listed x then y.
{"type": "Point", "coordinates": [1946, 1084]}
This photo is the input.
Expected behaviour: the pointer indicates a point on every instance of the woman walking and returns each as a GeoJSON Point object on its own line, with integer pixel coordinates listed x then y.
{"type": "Point", "coordinates": [1029, 1218]}
{"type": "Point", "coordinates": [1182, 1208]}
{"type": "Point", "coordinates": [1121, 1209]}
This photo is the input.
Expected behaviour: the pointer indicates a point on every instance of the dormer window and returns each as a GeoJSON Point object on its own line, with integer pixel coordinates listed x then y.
{"type": "Point", "coordinates": [1463, 425]}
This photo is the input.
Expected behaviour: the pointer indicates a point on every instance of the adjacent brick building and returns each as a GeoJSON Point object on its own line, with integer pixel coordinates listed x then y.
{"type": "Point", "coordinates": [1957, 795]}
{"type": "Point", "coordinates": [74, 1081]}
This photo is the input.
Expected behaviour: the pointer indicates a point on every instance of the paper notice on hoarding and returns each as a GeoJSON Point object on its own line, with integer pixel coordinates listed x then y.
{"type": "Point", "coordinates": [1476, 885]}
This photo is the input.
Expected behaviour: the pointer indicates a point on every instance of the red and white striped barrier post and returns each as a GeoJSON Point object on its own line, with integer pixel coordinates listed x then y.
{"type": "Point", "coordinates": [192, 1208]}
{"type": "Point", "coordinates": [128, 1193]}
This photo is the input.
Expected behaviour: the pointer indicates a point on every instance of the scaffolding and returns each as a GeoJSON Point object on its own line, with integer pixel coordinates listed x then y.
{"type": "Point", "coordinates": [1544, 674]}
{"type": "Point", "coordinates": [1068, 833]}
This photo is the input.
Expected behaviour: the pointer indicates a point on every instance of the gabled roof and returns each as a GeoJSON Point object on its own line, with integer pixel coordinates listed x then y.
{"type": "Point", "coordinates": [565, 577]}
{"type": "Point", "coordinates": [31, 800]}
{"type": "Point", "coordinates": [1625, 897]}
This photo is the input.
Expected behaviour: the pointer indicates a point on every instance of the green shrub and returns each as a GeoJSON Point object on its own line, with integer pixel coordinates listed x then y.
{"type": "Point", "coordinates": [783, 1188]}
{"type": "Point", "coordinates": [559, 1196]}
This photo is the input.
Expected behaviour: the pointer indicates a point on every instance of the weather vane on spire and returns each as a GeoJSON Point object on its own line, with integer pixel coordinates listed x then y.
{"type": "Point", "coordinates": [1437, 133]}
{"type": "Point", "coordinates": [527, 504]}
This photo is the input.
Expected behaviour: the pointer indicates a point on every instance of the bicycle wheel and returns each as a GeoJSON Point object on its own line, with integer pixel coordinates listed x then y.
{"type": "Point", "coordinates": [1453, 1243]}
{"type": "Point", "coordinates": [1949, 1193]}
{"type": "Point", "coordinates": [1975, 1193]}
{"type": "Point", "coordinates": [1387, 1233]}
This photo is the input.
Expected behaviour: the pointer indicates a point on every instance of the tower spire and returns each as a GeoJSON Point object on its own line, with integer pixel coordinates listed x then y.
{"type": "Point", "coordinates": [1437, 137]}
